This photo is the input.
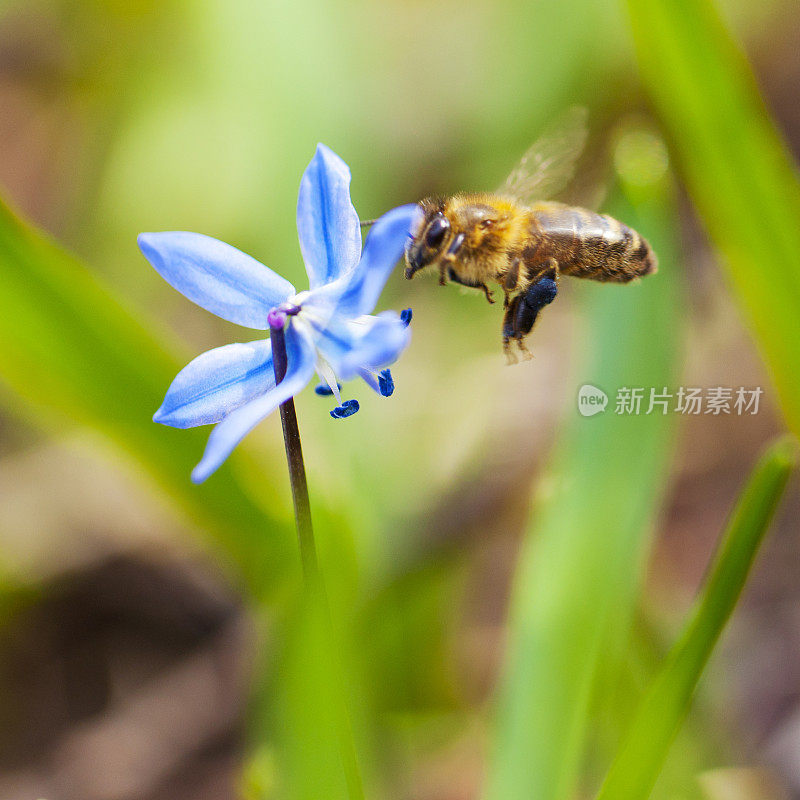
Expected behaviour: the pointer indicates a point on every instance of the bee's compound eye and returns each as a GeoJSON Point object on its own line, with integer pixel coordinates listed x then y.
{"type": "Point", "coordinates": [436, 231]}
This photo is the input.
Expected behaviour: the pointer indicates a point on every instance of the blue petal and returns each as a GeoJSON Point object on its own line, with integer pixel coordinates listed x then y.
{"type": "Point", "coordinates": [327, 223]}
{"type": "Point", "coordinates": [358, 292]}
{"type": "Point", "coordinates": [364, 343]}
{"type": "Point", "coordinates": [229, 432]}
{"type": "Point", "coordinates": [216, 276]}
{"type": "Point", "coordinates": [217, 383]}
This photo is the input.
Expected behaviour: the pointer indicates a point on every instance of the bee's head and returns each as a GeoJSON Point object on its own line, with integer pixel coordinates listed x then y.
{"type": "Point", "coordinates": [428, 242]}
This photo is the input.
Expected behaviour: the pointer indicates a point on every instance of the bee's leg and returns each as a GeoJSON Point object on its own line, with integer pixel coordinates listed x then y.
{"type": "Point", "coordinates": [453, 276]}
{"type": "Point", "coordinates": [541, 294]}
{"type": "Point", "coordinates": [442, 275]}
{"type": "Point", "coordinates": [511, 280]}
{"type": "Point", "coordinates": [545, 269]}
{"type": "Point", "coordinates": [525, 315]}
{"type": "Point", "coordinates": [511, 357]}
{"type": "Point", "coordinates": [524, 309]}
{"type": "Point", "coordinates": [509, 329]}
{"type": "Point", "coordinates": [551, 270]}
{"type": "Point", "coordinates": [517, 323]}
{"type": "Point", "coordinates": [523, 348]}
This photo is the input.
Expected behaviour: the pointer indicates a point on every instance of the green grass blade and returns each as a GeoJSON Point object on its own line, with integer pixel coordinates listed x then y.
{"type": "Point", "coordinates": [645, 746]}
{"type": "Point", "coordinates": [737, 169]}
{"type": "Point", "coordinates": [72, 352]}
{"type": "Point", "coordinates": [579, 569]}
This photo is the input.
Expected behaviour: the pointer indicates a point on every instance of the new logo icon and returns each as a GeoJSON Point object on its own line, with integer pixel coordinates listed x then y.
{"type": "Point", "coordinates": [591, 400]}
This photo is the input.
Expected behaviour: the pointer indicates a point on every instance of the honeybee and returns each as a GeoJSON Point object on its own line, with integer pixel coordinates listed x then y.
{"type": "Point", "coordinates": [523, 243]}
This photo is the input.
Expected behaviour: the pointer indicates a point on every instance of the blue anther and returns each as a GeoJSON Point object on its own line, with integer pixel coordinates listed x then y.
{"type": "Point", "coordinates": [346, 409]}
{"type": "Point", "coordinates": [323, 390]}
{"type": "Point", "coordinates": [386, 383]}
{"type": "Point", "coordinates": [405, 316]}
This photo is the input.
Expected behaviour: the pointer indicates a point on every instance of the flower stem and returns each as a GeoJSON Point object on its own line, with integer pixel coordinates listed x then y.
{"type": "Point", "coordinates": [297, 470]}
{"type": "Point", "coordinates": [312, 577]}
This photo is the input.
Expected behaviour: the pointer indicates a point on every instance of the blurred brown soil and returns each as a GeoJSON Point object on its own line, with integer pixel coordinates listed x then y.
{"type": "Point", "coordinates": [125, 682]}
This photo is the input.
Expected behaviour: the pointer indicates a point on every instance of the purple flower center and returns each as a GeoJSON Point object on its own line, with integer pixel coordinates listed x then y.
{"type": "Point", "coordinates": [276, 318]}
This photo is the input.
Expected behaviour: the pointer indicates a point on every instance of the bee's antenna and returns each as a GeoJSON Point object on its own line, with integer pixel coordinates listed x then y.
{"type": "Point", "coordinates": [365, 223]}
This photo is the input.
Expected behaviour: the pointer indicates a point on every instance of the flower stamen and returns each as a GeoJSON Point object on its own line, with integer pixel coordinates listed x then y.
{"type": "Point", "coordinates": [386, 383]}
{"type": "Point", "coordinates": [323, 390]}
{"type": "Point", "coordinates": [325, 371]}
{"type": "Point", "coordinates": [346, 409]}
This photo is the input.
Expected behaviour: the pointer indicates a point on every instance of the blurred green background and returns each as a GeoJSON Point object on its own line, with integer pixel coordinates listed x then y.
{"type": "Point", "coordinates": [505, 576]}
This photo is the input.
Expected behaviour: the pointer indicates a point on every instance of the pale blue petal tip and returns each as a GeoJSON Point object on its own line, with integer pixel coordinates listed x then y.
{"type": "Point", "coordinates": [386, 383]}
{"type": "Point", "coordinates": [143, 241]}
{"type": "Point", "coordinates": [346, 409]}
{"type": "Point", "coordinates": [172, 418]}
{"type": "Point", "coordinates": [327, 222]}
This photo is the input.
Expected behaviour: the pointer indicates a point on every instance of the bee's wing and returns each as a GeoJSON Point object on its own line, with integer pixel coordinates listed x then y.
{"type": "Point", "coordinates": [549, 163]}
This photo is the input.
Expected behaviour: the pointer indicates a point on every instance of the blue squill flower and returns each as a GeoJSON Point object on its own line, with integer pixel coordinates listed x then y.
{"type": "Point", "coordinates": [329, 328]}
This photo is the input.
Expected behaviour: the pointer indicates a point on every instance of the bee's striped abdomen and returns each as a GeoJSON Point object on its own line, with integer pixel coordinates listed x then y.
{"type": "Point", "coordinates": [589, 245]}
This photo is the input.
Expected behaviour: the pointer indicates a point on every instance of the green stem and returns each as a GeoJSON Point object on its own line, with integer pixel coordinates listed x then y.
{"type": "Point", "coordinates": [312, 577]}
